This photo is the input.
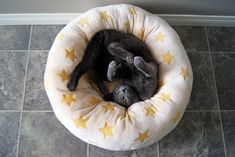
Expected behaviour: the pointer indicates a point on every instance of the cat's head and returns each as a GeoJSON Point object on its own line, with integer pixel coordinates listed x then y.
{"type": "Point", "coordinates": [125, 95]}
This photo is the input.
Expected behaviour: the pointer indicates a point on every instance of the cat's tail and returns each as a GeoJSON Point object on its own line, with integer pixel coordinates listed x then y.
{"type": "Point", "coordinates": [89, 60]}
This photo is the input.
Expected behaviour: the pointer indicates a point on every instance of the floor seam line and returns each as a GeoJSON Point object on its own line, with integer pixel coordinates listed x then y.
{"type": "Point", "coordinates": [217, 95]}
{"type": "Point", "coordinates": [36, 111]}
{"type": "Point", "coordinates": [201, 110]}
{"type": "Point", "coordinates": [23, 95]}
{"type": "Point", "coordinates": [23, 50]}
{"type": "Point", "coordinates": [158, 148]}
{"type": "Point", "coordinates": [87, 150]}
{"type": "Point", "coordinates": [10, 111]}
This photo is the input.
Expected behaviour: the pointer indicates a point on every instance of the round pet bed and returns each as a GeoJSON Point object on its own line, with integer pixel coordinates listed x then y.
{"type": "Point", "coordinates": [107, 124]}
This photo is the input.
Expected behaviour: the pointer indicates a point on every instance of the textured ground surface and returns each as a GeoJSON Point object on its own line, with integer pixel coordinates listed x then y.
{"type": "Point", "coordinates": [28, 127]}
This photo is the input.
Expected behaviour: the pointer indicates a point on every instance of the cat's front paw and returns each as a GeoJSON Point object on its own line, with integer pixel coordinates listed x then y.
{"type": "Point", "coordinates": [112, 70]}
{"type": "Point", "coordinates": [72, 85]}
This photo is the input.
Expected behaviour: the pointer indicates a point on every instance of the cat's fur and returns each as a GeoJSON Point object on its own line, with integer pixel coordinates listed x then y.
{"type": "Point", "coordinates": [116, 55]}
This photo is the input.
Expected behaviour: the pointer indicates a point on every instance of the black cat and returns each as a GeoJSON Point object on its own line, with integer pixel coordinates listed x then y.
{"type": "Point", "coordinates": [116, 55]}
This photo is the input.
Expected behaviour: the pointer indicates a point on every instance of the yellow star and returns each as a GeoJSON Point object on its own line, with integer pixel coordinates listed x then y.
{"type": "Point", "coordinates": [81, 122]}
{"type": "Point", "coordinates": [133, 11]}
{"type": "Point", "coordinates": [161, 83]}
{"type": "Point", "coordinates": [104, 16]}
{"type": "Point", "coordinates": [176, 118]}
{"type": "Point", "coordinates": [94, 101]}
{"type": "Point", "coordinates": [151, 111]}
{"type": "Point", "coordinates": [107, 130]}
{"type": "Point", "coordinates": [109, 106]}
{"type": "Point", "coordinates": [84, 21]}
{"type": "Point", "coordinates": [60, 36]}
{"type": "Point", "coordinates": [168, 57]}
{"type": "Point", "coordinates": [185, 72]}
{"type": "Point", "coordinates": [166, 97]}
{"type": "Point", "coordinates": [68, 99]}
{"type": "Point", "coordinates": [141, 33]}
{"type": "Point", "coordinates": [160, 37]}
{"type": "Point", "coordinates": [143, 136]}
{"type": "Point", "coordinates": [70, 54]}
{"type": "Point", "coordinates": [64, 76]}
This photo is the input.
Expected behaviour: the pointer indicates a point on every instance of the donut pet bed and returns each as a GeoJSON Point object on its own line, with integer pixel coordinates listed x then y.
{"type": "Point", "coordinates": [107, 124]}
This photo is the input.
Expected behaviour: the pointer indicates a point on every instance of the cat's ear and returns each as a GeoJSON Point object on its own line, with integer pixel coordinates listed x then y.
{"type": "Point", "coordinates": [119, 51]}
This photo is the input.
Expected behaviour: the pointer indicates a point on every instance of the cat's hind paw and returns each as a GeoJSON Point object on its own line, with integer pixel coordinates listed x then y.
{"type": "Point", "coordinates": [141, 65]}
{"type": "Point", "coordinates": [139, 62]}
{"type": "Point", "coordinates": [112, 70]}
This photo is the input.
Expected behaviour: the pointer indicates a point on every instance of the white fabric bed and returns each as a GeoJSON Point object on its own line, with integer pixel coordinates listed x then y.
{"type": "Point", "coordinates": [107, 124]}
